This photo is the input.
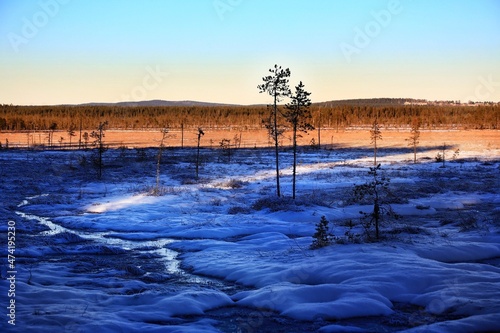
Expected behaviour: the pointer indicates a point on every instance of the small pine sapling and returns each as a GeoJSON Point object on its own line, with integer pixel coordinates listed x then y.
{"type": "Point", "coordinates": [85, 140]}
{"type": "Point", "coordinates": [377, 191]}
{"type": "Point", "coordinates": [71, 133]}
{"type": "Point", "coordinates": [441, 157]}
{"type": "Point", "coordinates": [98, 137]}
{"type": "Point", "coordinates": [237, 140]}
{"type": "Point", "coordinates": [349, 235]}
{"type": "Point", "coordinates": [52, 129]}
{"type": "Point", "coordinates": [375, 135]}
{"type": "Point", "coordinates": [413, 140]}
{"type": "Point", "coordinates": [323, 236]}
{"type": "Point", "coordinates": [225, 145]}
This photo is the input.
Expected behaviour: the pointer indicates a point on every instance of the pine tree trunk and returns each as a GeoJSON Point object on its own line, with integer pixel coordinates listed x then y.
{"type": "Point", "coordinates": [198, 157]}
{"type": "Point", "coordinates": [276, 146]}
{"type": "Point", "coordinates": [376, 216]}
{"type": "Point", "coordinates": [294, 159]}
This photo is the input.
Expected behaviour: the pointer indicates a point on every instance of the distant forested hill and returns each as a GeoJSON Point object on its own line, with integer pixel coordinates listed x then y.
{"type": "Point", "coordinates": [334, 114]}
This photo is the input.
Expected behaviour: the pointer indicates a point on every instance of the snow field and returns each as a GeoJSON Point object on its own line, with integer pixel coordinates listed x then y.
{"type": "Point", "coordinates": [265, 251]}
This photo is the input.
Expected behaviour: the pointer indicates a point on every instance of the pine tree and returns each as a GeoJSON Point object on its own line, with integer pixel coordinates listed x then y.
{"type": "Point", "coordinates": [71, 133]}
{"type": "Point", "coordinates": [322, 237]}
{"type": "Point", "coordinates": [413, 140]}
{"type": "Point", "coordinates": [376, 190]}
{"type": "Point", "coordinates": [276, 85]}
{"type": "Point", "coordinates": [298, 115]}
{"type": "Point", "coordinates": [98, 137]}
{"type": "Point", "coordinates": [375, 135]}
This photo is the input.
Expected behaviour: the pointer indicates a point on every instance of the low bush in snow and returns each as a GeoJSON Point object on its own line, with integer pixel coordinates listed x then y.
{"type": "Point", "coordinates": [235, 183]}
{"type": "Point", "coordinates": [407, 229]}
{"type": "Point", "coordinates": [318, 198]}
{"type": "Point", "coordinates": [464, 221]}
{"type": "Point", "coordinates": [467, 222]}
{"type": "Point", "coordinates": [216, 202]}
{"type": "Point", "coordinates": [157, 191]}
{"type": "Point", "coordinates": [141, 155]}
{"type": "Point", "coordinates": [350, 236]}
{"type": "Point", "coordinates": [238, 210]}
{"type": "Point", "coordinates": [275, 204]}
{"type": "Point", "coordinates": [232, 183]}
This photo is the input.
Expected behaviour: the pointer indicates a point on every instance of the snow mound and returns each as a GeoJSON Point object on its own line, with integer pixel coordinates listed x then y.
{"type": "Point", "coordinates": [461, 252]}
{"type": "Point", "coordinates": [327, 301]}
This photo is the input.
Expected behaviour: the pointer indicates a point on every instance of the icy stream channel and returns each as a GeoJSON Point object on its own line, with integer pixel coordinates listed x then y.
{"type": "Point", "coordinates": [156, 246]}
{"type": "Point", "coordinates": [229, 318]}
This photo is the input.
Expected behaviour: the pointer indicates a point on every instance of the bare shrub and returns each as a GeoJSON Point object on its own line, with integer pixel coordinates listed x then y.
{"type": "Point", "coordinates": [275, 204]}
{"type": "Point", "coordinates": [349, 237]}
{"type": "Point", "coordinates": [216, 202]}
{"type": "Point", "coordinates": [235, 183]}
{"type": "Point", "coordinates": [318, 198]}
{"type": "Point", "coordinates": [467, 222]}
{"type": "Point", "coordinates": [238, 210]}
{"type": "Point", "coordinates": [407, 229]}
{"type": "Point", "coordinates": [141, 155]}
{"type": "Point", "coordinates": [158, 191]}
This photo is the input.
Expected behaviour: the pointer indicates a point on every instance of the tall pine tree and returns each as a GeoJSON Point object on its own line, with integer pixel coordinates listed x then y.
{"type": "Point", "coordinates": [298, 115]}
{"type": "Point", "coordinates": [276, 85]}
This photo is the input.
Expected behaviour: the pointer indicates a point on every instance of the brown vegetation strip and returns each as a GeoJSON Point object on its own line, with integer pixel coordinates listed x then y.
{"type": "Point", "coordinates": [462, 139]}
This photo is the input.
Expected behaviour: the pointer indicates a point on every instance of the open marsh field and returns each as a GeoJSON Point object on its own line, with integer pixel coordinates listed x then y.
{"type": "Point", "coordinates": [330, 138]}
{"type": "Point", "coordinates": [221, 253]}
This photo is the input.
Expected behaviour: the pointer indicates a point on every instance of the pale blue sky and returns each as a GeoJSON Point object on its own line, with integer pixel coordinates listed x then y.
{"type": "Point", "coordinates": [77, 51]}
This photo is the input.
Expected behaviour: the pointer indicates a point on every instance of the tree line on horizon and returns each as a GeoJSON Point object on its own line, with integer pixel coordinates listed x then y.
{"type": "Point", "coordinates": [342, 116]}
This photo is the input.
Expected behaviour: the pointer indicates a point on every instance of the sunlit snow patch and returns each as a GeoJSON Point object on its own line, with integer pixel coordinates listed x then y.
{"type": "Point", "coordinates": [120, 203]}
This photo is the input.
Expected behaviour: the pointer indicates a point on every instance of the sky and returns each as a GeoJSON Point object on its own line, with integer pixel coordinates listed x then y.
{"type": "Point", "coordinates": [79, 51]}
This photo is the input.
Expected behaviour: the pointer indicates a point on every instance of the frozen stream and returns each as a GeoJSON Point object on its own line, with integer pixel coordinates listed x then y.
{"type": "Point", "coordinates": [156, 247]}
{"type": "Point", "coordinates": [228, 318]}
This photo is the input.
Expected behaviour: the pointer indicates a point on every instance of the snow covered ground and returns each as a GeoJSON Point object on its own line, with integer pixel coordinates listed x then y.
{"type": "Point", "coordinates": [222, 254]}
